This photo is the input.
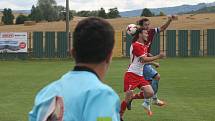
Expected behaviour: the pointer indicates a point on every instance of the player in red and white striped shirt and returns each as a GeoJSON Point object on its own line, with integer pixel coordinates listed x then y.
{"type": "Point", "coordinates": [149, 72]}
{"type": "Point", "coordinates": [134, 75]}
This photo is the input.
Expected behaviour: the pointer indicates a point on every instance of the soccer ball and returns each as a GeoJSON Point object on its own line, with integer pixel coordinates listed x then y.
{"type": "Point", "coordinates": [131, 29]}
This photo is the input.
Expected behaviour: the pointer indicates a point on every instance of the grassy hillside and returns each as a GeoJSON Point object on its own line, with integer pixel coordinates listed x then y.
{"type": "Point", "coordinates": [186, 21]}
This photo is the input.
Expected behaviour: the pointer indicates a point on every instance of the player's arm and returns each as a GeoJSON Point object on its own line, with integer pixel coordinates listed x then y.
{"type": "Point", "coordinates": [150, 55]}
{"type": "Point", "coordinates": [143, 55]}
{"type": "Point", "coordinates": [146, 59]}
{"type": "Point", "coordinates": [102, 105]}
{"type": "Point", "coordinates": [162, 28]}
{"type": "Point", "coordinates": [155, 64]}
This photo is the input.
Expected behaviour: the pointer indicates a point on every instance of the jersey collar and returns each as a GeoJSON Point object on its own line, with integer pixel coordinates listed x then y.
{"type": "Point", "coordinates": [84, 68]}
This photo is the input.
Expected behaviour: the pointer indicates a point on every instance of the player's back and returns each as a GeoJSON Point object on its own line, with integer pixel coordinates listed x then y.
{"type": "Point", "coordinates": [82, 94]}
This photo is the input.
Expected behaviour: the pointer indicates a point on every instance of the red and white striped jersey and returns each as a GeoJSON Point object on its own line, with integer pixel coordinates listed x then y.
{"type": "Point", "coordinates": [137, 50]}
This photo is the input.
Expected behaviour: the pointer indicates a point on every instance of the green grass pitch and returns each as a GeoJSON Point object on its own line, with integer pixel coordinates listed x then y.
{"type": "Point", "coordinates": [187, 85]}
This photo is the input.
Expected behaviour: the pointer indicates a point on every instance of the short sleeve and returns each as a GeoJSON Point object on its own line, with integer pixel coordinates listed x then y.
{"type": "Point", "coordinates": [154, 31]}
{"type": "Point", "coordinates": [139, 50]}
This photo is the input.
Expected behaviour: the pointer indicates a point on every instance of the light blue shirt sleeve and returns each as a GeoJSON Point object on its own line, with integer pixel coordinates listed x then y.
{"type": "Point", "coordinates": [42, 102]}
{"type": "Point", "coordinates": [102, 105]}
{"type": "Point", "coordinates": [39, 111]}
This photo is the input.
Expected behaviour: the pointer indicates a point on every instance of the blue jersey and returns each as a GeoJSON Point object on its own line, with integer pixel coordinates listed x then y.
{"type": "Point", "coordinates": [85, 98]}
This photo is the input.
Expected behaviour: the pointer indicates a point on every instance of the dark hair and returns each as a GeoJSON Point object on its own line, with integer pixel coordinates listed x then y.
{"type": "Point", "coordinates": [136, 35]}
{"type": "Point", "coordinates": [93, 40]}
{"type": "Point", "coordinates": [142, 21]}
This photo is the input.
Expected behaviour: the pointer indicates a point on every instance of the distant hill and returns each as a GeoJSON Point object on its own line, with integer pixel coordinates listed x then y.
{"type": "Point", "coordinates": [210, 4]}
{"type": "Point", "coordinates": [169, 10]}
{"type": "Point", "coordinates": [205, 10]}
{"type": "Point", "coordinates": [19, 11]}
{"type": "Point", "coordinates": [22, 11]}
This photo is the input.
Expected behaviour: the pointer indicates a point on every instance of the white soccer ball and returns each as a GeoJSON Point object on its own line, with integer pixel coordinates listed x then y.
{"type": "Point", "coordinates": [131, 29]}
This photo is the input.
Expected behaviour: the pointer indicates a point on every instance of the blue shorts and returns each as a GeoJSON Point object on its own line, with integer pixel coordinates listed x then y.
{"type": "Point", "coordinates": [149, 72]}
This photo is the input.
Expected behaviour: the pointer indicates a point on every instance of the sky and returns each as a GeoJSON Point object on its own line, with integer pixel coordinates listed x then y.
{"type": "Point", "coordinates": [122, 5]}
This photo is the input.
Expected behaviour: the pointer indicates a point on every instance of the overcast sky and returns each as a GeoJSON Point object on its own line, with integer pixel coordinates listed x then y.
{"type": "Point", "coordinates": [122, 5]}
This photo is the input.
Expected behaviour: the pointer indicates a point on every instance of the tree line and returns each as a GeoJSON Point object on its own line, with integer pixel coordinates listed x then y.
{"type": "Point", "coordinates": [57, 13]}
{"type": "Point", "coordinates": [45, 10]}
{"type": "Point", "coordinates": [48, 10]}
{"type": "Point", "coordinates": [147, 13]}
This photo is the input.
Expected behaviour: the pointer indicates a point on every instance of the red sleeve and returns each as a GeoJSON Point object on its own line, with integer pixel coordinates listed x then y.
{"type": "Point", "coordinates": [139, 50]}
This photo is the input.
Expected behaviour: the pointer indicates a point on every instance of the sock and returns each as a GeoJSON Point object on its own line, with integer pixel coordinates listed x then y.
{"type": "Point", "coordinates": [147, 101]}
{"type": "Point", "coordinates": [154, 85]}
{"type": "Point", "coordinates": [139, 95]}
{"type": "Point", "coordinates": [122, 108]}
{"type": "Point", "coordinates": [154, 97]}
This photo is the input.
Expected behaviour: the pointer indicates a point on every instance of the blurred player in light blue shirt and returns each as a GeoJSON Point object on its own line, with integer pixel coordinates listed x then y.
{"type": "Point", "coordinates": [80, 94]}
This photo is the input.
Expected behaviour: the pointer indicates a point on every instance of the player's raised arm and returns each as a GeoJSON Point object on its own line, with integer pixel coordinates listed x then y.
{"type": "Point", "coordinates": [170, 18]}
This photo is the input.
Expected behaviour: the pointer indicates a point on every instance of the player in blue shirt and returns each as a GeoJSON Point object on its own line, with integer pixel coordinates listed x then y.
{"type": "Point", "coordinates": [80, 94]}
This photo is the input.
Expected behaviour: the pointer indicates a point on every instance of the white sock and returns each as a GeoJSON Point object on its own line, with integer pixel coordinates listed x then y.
{"type": "Point", "coordinates": [155, 97]}
{"type": "Point", "coordinates": [147, 101]}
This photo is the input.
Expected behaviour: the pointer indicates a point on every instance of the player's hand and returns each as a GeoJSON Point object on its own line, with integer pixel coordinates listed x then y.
{"type": "Point", "coordinates": [162, 55]}
{"type": "Point", "coordinates": [129, 95]}
{"type": "Point", "coordinates": [156, 64]}
{"type": "Point", "coordinates": [173, 17]}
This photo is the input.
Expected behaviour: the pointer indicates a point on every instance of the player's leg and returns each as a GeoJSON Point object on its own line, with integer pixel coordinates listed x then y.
{"type": "Point", "coordinates": [148, 93]}
{"type": "Point", "coordinates": [148, 73]}
{"type": "Point", "coordinates": [132, 81]}
{"type": "Point", "coordinates": [128, 87]}
{"type": "Point", "coordinates": [154, 83]}
{"type": "Point", "coordinates": [147, 76]}
{"type": "Point", "coordinates": [128, 97]}
{"type": "Point", "coordinates": [139, 95]}
{"type": "Point", "coordinates": [151, 74]}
